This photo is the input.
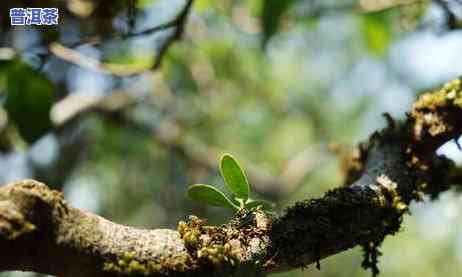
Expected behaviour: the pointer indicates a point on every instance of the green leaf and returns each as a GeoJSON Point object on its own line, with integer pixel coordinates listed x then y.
{"type": "Point", "coordinates": [376, 32]}
{"type": "Point", "coordinates": [252, 203]}
{"type": "Point", "coordinates": [29, 97]}
{"type": "Point", "coordinates": [272, 12]}
{"type": "Point", "coordinates": [234, 177]}
{"type": "Point", "coordinates": [210, 195]}
{"type": "Point", "coordinates": [178, 72]}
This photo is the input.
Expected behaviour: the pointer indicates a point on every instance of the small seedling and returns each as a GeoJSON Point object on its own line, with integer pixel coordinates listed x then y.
{"type": "Point", "coordinates": [235, 181]}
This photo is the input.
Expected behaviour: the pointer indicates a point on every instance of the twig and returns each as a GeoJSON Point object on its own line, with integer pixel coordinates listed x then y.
{"type": "Point", "coordinates": [451, 17]}
{"type": "Point", "coordinates": [180, 25]}
{"type": "Point", "coordinates": [131, 14]}
{"type": "Point", "coordinates": [77, 58]}
{"type": "Point", "coordinates": [65, 52]}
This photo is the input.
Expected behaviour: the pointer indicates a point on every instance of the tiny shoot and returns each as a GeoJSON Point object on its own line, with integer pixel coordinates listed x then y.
{"type": "Point", "coordinates": [235, 181]}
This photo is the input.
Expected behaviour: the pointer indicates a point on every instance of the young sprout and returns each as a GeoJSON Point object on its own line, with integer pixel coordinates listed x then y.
{"type": "Point", "coordinates": [235, 181]}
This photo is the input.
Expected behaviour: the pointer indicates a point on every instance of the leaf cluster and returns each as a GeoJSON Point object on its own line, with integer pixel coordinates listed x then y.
{"type": "Point", "coordinates": [236, 182]}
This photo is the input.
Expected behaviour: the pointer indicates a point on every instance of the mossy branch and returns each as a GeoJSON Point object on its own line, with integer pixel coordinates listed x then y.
{"type": "Point", "coordinates": [40, 232]}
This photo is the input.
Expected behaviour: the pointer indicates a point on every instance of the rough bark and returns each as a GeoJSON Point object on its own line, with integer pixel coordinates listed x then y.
{"type": "Point", "coordinates": [40, 232]}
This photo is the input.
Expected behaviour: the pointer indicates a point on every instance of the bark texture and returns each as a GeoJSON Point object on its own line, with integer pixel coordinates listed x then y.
{"type": "Point", "coordinates": [40, 232]}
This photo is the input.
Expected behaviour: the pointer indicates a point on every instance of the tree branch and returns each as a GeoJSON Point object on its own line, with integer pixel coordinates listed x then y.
{"type": "Point", "coordinates": [451, 18]}
{"type": "Point", "coordinates": [66, 52]}
{"type": "Point", "coordinates": [40, 232]}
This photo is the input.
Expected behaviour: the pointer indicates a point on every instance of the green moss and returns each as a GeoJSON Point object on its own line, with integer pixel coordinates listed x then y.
{"type": "Point", "coordinates": [21, 228]}
{"type": "Point", "coordinates": [458, 101]}
{"type": "Point", "coordinates": [127, 264]}
{"type": "Point", "coordinates": [209, 244]}
{"type": "Point", "coordinates": [218, 254]}
{"type": "Point", "coordinates": [13, 223]}
{"type": "Point", "coordinates": [450, 93]}
{"type": "Point", "coordinates": [387, 194]}
{"type": "Point", "coordinates": [430, 111]}
{"type": "Point", "coordinates": [343, 218]}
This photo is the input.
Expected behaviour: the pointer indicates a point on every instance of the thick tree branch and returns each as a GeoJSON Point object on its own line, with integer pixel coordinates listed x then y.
{"type": "Point", "coordinates": [40, 232]}
{"type": "Point", "coordinates": [397, 165]}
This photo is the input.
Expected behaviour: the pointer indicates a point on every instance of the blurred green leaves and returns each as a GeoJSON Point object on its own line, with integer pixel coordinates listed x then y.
{"type": "Point", "coordinates": [376, 31]}
{"type": "Point", "coordinates": [176, 68]}
{"type": "Point", "coordinates": [29, 97]}
{"type": "Point", "coordinates": [272, 12]}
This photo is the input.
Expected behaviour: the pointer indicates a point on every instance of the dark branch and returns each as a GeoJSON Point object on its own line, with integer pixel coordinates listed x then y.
{"type": "Point", "coordinates": [451, 18]}
{"type": "Point", "coordinates": [177, 24]}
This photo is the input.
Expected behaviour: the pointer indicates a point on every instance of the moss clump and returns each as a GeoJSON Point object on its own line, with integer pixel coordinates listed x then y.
{"type": "Point", "coordinates": [243, 239]}
{"type": "Point", "coordinates": [128, 265]}
{"type": "Point", "coordinates": [449, 94]}
{"type": "Point", "coordinates": [208, 244]}
{"type": "Point", "coordinates": [431, 109]}
{"type": "Point", "coordinates": [218, 254]}
{"type": "Point", "coordinates": [371, 256]}
{"type": "Point", "coordinates": [12, 223]}
{"type": "Point", "coordinates": [343, 218]}
{"type": "Point", "coordinates": [387, 194]}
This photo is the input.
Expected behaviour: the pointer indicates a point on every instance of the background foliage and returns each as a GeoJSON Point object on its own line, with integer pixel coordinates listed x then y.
{"type": "Point", "coordinates": [286, 86]}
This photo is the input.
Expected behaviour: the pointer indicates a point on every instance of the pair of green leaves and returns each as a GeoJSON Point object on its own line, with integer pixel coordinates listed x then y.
{"type": "Point", "coordinates": [235, 181]}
